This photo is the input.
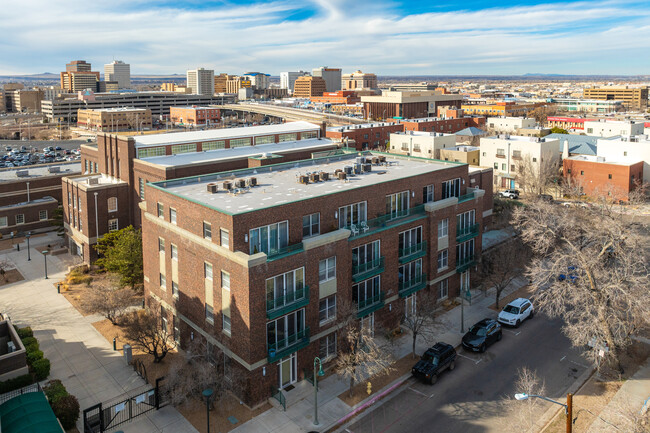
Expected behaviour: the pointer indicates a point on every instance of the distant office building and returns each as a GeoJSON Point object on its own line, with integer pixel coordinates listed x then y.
{"type": "Point", "coordinates": [407, 104]}
{"type": "Point", "coordinates": [307, 87]}
{"type": "Point", "coordinates": [288, 79]}
{"type": "Point", "coordinates": [422, 144]}
{"type": "Point", "coordinates": [587, 105]}
{"type": "Point", "coordinates": [632, 97]}
{"type": "Point", "coordinates": [118, 71]}
{"type": "Point", "coordinates": [108, 86]}
{"type": "Point", "coordinates": [220, 83]}
{"type": "Point", "coordinates": [78, 76]}
{"type": "Point", "coordinates": [502, 108]}
{"type": "Point", "coordinates": [332, 77]}
{"type": "Point", "coordinates": [612, 128]}
{"type": "Point", "coordinates": [449, 120]}
{"type": "Point", "coordinates": [115, 119]}
{"type": "Point", "coordinates": [508, 125]}
{"type": "Point", "coordinates": [467, 154]}
{"type": "Point", "coordinates": [201, 81]}
{"type": "Point", "coordinates": [194, 115]}
{"type": "Point", "coordinates": [340, 97]}
{"type": "Point", "coordinates": [23, 100]}
{"type": "Point", "coordinates": [258, 80]}
{"type": "Point", "coordinates": [410, 87]}
{"type": "Point", "coordinates": [234, 83]}
{"type": "Point", "coordinates": [359, 80]}
{"type": "Point", "coordinates": [78, 66]}
{"type": "Point", "coordinates": [364, 136]}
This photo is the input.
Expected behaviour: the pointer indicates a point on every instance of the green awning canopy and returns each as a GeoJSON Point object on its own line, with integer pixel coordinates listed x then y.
{"type": "Point", "coordinates": [28, 413]}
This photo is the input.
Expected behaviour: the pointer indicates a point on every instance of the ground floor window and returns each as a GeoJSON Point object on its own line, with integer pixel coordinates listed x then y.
{"type": "Point", "coordinates": [327, 348]}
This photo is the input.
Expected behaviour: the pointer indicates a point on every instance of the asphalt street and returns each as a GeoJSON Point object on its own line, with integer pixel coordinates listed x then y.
{"type": "Point", "coordinates": [468, 398]}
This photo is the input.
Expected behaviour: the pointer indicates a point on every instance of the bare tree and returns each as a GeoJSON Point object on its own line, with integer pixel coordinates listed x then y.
{"type": "Point", "coordinates": [522, 414]}
{"type": "Point", "coordinates": [603, 295]}
{"type": "Point", "coordinates": [4, 267]}
{"type": "Point", "coordinates": [109, 299]}
{"type": "Point", "coordinates": [423, 322]}
{"type": "Point", "coordinates": [534, 177]}
{"type": "Point", "coordinates": [502, 265]}
{"type": "Point", "coordinates": [628, 416]}
{"type": "Point", "coordinates": [144, 328]}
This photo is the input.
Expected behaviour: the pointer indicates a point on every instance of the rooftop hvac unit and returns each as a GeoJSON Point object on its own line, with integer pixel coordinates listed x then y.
{"type": "Point", "coordinates": [342, 175]}
{"type": "Point", "coordinates": [227, 185]}
{"type": "Point", "coordinates": [240, 183]}
{"type": "Point", "coordinates": [252, 181]}
{"type": "Point", "coordinates": [324, 176]}
{"type": "Point", "coordinates": [11, 347]}
{"type": "Point", "coordinates": [212, 188]}
{"type": "Point", "coordinates": [22, 173]}
{"type": "Point", "coordinates": [375, 160]}
{"type": "Point", "coordinates": [54, 169]}
{"type": "Point", "coordinates": [93, 181]}
{"type": "Point", "coordinates": [357, 168]}
{"type": "Point", "coordinates": [367, 168]}
{"type": "Point", "coordinates": [303, 179]}
{"type": "Point", "coordinates": [382, 159]}
{"type": "Point", "coordinates": [360, 159]}
{"type": "Point", "coordinates": [348, 169]}
{"type": "Point", "coordinates": [314, 177]}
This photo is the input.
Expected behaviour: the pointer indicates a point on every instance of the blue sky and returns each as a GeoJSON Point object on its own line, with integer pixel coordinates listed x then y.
{"type": "Point", "coordinates": [387, 37]}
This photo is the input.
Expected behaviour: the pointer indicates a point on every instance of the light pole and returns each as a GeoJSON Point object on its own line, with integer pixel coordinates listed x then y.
{"type": "Point", "coordinates": [568, 407]}
{"type": "Point", "coordinates": [45, 253]}
{"type": "Point", "coordinates": [320, 373]}
{"type": "Point", "coordinates": [27, 236]}
{"type": "Point", "coordinates": [207, 393]}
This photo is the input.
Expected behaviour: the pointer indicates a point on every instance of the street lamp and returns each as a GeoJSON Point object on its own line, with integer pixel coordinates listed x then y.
{"type": "Point", "coordinates": [568, 407]}
{"type": "Point", "coordinates": [45, 253]}
{"type": "Point", "coordinates": [320, 373]}
{"type": "Point", "coordinates": [207, 393]}
{"type": "Point", "coordinates": [27, 236]}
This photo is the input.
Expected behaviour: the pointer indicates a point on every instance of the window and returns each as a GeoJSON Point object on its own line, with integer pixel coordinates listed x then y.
{"type": "Point", "coordinates": [352, 214]}
{"type": "Point", "coordinates": [95, 167]}
{"type": "Point", "coordinates": [427, 194]}
{"type": "Point", "coordinates": [161, 245]}
{"type": "Point", "coordinates": [443, 292]}
{"type": "Point", "coordinates": [496, 165]}
{"type": "Point", "coordinates": [484, 154]}
{"type": "Point", "coordinates": [225, 238]}
{"type": "Point", "coordinates": [285, 288]}
{"type": "Point", "coordinates": [207, 231]}
{"type": "Point", "coordinates": [624, 153]}
{"type": "Point", "coordinates": [207, 271]}
{"type": "Point", "coordinates": [286, 330]}
{"type": "Point", "coordinates": [174, 253]}
{"type": "Point", "coordinates": [209, 314]}
{"type": "Point", "coordinates": [465, 251]}
{"type": "Point", "coordinates": [308, 135]}
{"type": "Point", "coordinates": [80, 225]}
{"type": "Point", "coordinates": [69, 199]}
{"type": "Point", "coordinates": [3, 221]}
{"type": "Point", "coordinates": [225, 293]}
{"type": "Point", "coordinates": [609, 176]}
{"type": "Point", "coordinates": [141, 188]}
{"type": "Point", "coordinates": [149, 152]}
{"type": "Point", "coordinates": [327, 309]}
{"type": "Point", "coordinates": [451, 188]}
{"type": "Point", "coordinates": [443, 228]}
{"type": "Point", "coordinates": [85, 166]}
{"type": "Point", "coordinates": [501, 153]}
{"type": "Point", "coordinates": [366, 253]}
{"type": "Point", "coordinates": [240, 142]}
{"type": "Point", "coordinates": [311, 225]}
{"type": "Point", "coordinates": [582, 172]}
{"type": "Point", "coordinates": [172, 215]}
{"type": "Point", "coordinates": [163, 281]}
{"type": "Point", "coordinates": [327, 346]}
{"type": "Point", "coordinates": [516, 154]}
{"type": "Point", "coordinates": [183, 148]}
{"type": "Point", "coordinates": [512, 168]}
{"type": "Point", "coordinates": [225, 280]}
{"type": "Point", "coordinates": [42, 215]}
{"type": "Point", "coordinates": [265, 139]}
{"type": "Point", "coordinates": [79, 203]}
{"type": "Point", "coordinates": [410, 272]}
{"type": "Point", "coordinates": [568, 171]}
{"type": "Point", "coordinates": [287, 137]}
{"type": "Point", "coordinates": [443, 260]}
{"type": "Point", "coordinates": [534, 159]}
{"type": "Point", "coordinates": [365, 136]}
{"type": "Point", "coordinates": [269, 239]}
{"type": "Point", "coordinates": [410, 240]}
{"type": "Point", "coordinates": [112, 204]}
{"type": "Point", "coordinates": [174, 289]}
{"type": "Point", "coordinates": [327, 269]}
{"type": "Point", "coordinates": [503, 166]}
{"type": "Point", "coordinates": [161, 210]}
{"type": "Point", "coordinates": [112, 225]}
{"type": "Point", "coordinates": [397, 204]}
{"type": "Point", "coordinates": [213, 145]}
{"type": "Point", "coordinates": [367, 292]}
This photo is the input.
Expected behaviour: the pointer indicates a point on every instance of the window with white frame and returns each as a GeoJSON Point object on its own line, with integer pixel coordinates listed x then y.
{"type": "Point", "coordinates": [367, 292]}
{"type": "Point", "coordinates": [174, 253]}
{"type": "Point", "coordinates": [327, 309]}
{"type": "Point", "coordinates": [366, 253]}
{"type": "Point", "coordinates": [309, 134]}
{"type": "Point", "coordinates": [81, 223]}
{"type": "Point", "coordinates": [465, 220]}
{"type": "Point", "coordinates": [265, 139]}
{"type": "Point", "coordinates": [465, 251]}
{"type": "Point", "coordinates": [172, 215]}
{"type": "Point", "coordinates": [207, 271]}
{"type": "Point", "coordinates": [224, 236]}
{"type": "Point", "coordinates": [443, 260]}
{"type": "Point", "coordinates": [213, 145]}
{"type": "Point", "coordinates": [79, 203]}
{"type": "Point", "coordinates": [409, 240]}
{"type": "Point", "coordinates": [141, 188]}
{"type": "Point", "coordinates": [269, 239]}
{"type": "Point", "coordinates": [161, 245]}
{"type": "Point", "coordinates": [240, 142]}
{"type": "Point", "coordinates": [327, 346]}
{"type": "Point", "coordinates": [149, 152]}
{"type": "Point", "coordinates": [352, 214]}
{"type": "Point", "coordinates": [427, 194]}
{"type": "Point", "coordinates": [42, 215]}
{"type": "Point", "coordinates": [285, 331]}
{"type": "Point", "coordinates": [409, 273]}
{"type": "Point", "coordinates": [163, 281]}
{"type": "Point", "coordinates": [311, 225]}
{"type": "Point", "coordinates": [174, 289]}
{"type": "Point", "coordinates": [285, 288]}
{"type": "Point", "coordinates": [209, 314]}
{"type": "Point", "coordinates": [225, 280]}
{"type": "Point", "coordinates": [183, 148]}
{"type": "Point", "coordinates": [443, 291]}
{"type": "Point", "coordinates": [3, 221]}
{"type": "Point", "coordinates": [451, 188]}
{"type": "Point", "coordinates": [397, 204]}
{"type": "Point", "coordinates": [443, 228]}
{"type": "Point", "coordinates": [207, 231]}
{"type": "Point", "coordinates": [20, 218]}
{"type": "Point", "coordinates": [161, 210]}
{"type": "Point", "coordinates": [287, 137]}
{"type": "Point", "coordinates": [112, 225]}
{"type": "Point", "coordinates": [112, 204]}
{"type": "Point", "coordinates": [327, 269]}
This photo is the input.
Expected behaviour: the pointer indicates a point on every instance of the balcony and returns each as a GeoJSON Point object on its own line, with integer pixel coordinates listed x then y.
{"type": "Point", "coordinates": [370, 305]}
{"type": "Point", "coordinates": [386, 221]}
{"type": "Point", "coordinates": [280, 253]}
{"type": "Point", "coordinates": [282, 305]}
{"type": "Point", "coordinates": [464, 263]}
{"type": "Point", "coordinates": [368, 269]}
{"type": "Point", "coordinates": [288, 345]}
{"type": "Point", "coordinates": [412, 252]}
{"type": "Point", "coordinates": [466, 233]}
{"type": "Point", "coordinates": [407, 288]}
{"type": "Point", "coordinates": [466, 197]}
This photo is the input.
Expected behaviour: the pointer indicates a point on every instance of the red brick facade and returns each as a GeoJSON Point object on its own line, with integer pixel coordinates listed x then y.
{"type": "Point", "coordinates": [448, 126]}
{"type": "Point", "coordinates": [603, 178]}
{"type": "Point", "coordinates": [366, 136]}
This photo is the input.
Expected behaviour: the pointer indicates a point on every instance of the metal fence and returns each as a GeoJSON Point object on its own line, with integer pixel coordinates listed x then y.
{"type": "Point", "coordinates": [35, 387]}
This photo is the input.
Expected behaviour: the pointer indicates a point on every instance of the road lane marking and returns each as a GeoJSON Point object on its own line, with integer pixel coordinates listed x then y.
{"type": "Point", "coordinates": [418, 392]}
{"type": "Point", "coordinates": [471, 359]}
{"type": "Point", "coordinates": [510, 330]}
{"type": "Point", "coordinates": [563, 358]}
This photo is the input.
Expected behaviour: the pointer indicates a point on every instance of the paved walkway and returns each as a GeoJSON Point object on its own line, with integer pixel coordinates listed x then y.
{"type": "Point", "coordinates": [299, 416]}
{"type": "Point", "coordinates": [80, 356]}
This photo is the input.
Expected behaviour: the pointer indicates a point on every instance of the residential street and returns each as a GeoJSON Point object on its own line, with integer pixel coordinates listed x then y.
{"type": "Point", "coordinates": [466, 399]}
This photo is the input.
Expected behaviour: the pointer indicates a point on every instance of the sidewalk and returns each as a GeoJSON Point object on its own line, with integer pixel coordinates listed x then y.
{"type": "Point", "coordinates": [81, 357]}
{"type": "Point", "coordinates": [300, 400]}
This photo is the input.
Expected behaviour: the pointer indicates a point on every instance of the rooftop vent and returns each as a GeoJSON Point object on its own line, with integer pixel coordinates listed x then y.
{"type": "Point", "coordinates": [252, 181]}
{"type": "Point", "coordinates": [22, 173]}
{"type": "Point", "coordinates": [93, 181]}
{"type": "Point", "coordinates": [342, 175]}
{"type": "Point", "coordinates": [324, 176]}
{"type": "Point", "coordinates": [56, 169]}
{"type": "Point", "coordinates": [240, 183]}
{"type": "Point", "coordinates": [303, 179]}
{"type": "Point", "coordinates": [227, 185]}
{"type": "Point", "coordinates": [314, 177]}
{"type": "Point", "coordinates": [212, 188]}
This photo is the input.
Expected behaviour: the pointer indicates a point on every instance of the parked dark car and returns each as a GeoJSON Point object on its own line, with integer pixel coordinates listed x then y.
{"type": "Point", "coordinates": [434, 361]}
{"type": "Point", "coordinates": [481, 335]}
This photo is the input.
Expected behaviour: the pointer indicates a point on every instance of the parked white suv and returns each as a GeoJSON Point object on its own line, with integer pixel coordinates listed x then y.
{"type": "Point", "coordinates": [510, 193]}
{"type": "Point", "coordinates": [516, 312]}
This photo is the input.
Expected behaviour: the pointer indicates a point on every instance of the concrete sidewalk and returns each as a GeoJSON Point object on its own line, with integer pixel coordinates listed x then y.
{"type": "Point", "coordinates": [299, 416]}
{"type": "Point", "coordinates": [80, 356]}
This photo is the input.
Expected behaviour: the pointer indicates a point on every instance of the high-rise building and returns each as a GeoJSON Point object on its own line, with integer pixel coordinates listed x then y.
{"type": "Point", "coordinates": [306, 87]}
{"type": "Point", "coordinates": [201, 81]}
{"type": "Point", "coordinates": [288, 79]}
{"type": "Point", "coordinates": [359, 80]}
{"type": "Point", "coordinates": [234, 83]}
{"type": "Point", "coordinates": [220, 83]}
{"type": "Point", "coordinates": [78, 66]}
{"type": "Point", "coordinates": [258, 80]}
{"type": "Point", "coordinates": [632, 97]}
{"type": "Point", "coordinates": [332, 77]}
{"type": "Point", "coordinates": [78, 77]}
{"type": "Point", "coordinates": [118, 71]}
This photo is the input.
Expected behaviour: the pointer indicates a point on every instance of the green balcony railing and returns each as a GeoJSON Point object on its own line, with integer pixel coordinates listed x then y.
{"type": "Point", "coordinates": [412, 252]}
{"type": "Point", "coordinates": [387, 220]}
{"type": "Point", "coordinates": [466, 197]}
{"type": "Point", "coordinates": [466, 233]}
{"type": "Point", "coordinates": [370, 305]}
{"type": "Point", "coordinates": [282, 305]}
{"type": "Point", "coordinates": [368, 269]}
{"type": "Point", "coordinates": [278, 253]}
{"type": "Point", "coordinates": [464, 263]}
{"type": "Point", "coordinates": [407, 288]}
{"type": "Point", "coordinates": [288, 345]}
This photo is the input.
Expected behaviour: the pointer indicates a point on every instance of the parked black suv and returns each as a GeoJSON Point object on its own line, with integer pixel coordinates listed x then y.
{"type": "Point", "coordinates": [434, 361]}
{"type": "Point", "coordinates": [482, 334]}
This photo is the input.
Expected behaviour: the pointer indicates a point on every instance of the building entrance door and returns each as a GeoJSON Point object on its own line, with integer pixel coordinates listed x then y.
{"type": "Point", "coordinates": [288, 370]}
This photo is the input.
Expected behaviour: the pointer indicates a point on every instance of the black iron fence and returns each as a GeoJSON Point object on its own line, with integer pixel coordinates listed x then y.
{"type": "Point", "coordinates": [35, 387]}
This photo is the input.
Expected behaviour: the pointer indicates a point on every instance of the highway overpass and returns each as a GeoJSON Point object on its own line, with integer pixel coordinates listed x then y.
{"type": "Point", "coordinates": [292, 114]}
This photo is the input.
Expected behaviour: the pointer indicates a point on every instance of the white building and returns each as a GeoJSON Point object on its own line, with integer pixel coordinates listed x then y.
{"type": "Point", "coordinates": [201, 81]}
{"type": "Point", "coordinates": [504, 153]}
{"type": "Point", "coordinates": [332, 77]}
{"type": "Point", "coordinates": [421, 143]}
{"type": "Point", "coordinates": [288, 79]}
{"type": "Point", "coordinates": [627, 149]}
{"type": "Point", "coordinates": [259, 80]}
{"type": "Point", "coordinates": [118, 71]}
{"type": "Point", "coordinates": [508, 125]}
{"type": "Point", "coordinates": [613, 128]}
{"type": "Point", "coordinates": [587, 105]}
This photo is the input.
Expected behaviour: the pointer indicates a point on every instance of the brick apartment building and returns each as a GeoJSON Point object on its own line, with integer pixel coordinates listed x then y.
{"type": "Point", "coordinates": [195, 115]}
{"type": "Point", "coordinates": [364, 136]}
{"type": "Point", "coordinates": [407, 105]}
{"type": "Point", "coordinates": [117, 169]}
{"type": "Point", "coordinates": [448, 121]}
{"type": "Point", "coordinates": [114, 119]}
{"type": "Point", "coordinates": [339, 97]}
{"type": "Point", "coordinates": [596, 176]}
{"type": "Point", "coordinates": [255, 261]}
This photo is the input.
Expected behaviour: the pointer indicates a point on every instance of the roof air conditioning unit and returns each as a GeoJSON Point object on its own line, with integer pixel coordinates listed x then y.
{"type": "Point", "coordinates": [348, 169]}
{"type": "Point", "coordinates": [54, 169]}
{"type": "Point", "coordinates": [227, 185]}
{"type": "Point", "coordinates": [342, 175]}
{"type": "Point", "coordinates": [240, 183]}
{"type": "Point", "coordinates": [324, 176]}
{"type": "Point", "coordinates": [93, 181]}
{"type": "Point", "coordinates": [314, 177]}
{"type": "Point", "coordinates": [212, 188]}
{"type": "Point", "coordinates": [303, 179]}
{"type": "Point", "coordinates": [367, 168]}
{"type": "Point", "coordinates": [22, 173]}
{"type": "Point", "coordinates": [252, 181]}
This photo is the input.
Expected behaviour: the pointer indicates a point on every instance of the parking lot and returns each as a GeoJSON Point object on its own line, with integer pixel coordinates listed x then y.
{"type": "Point", "coordinates": [21, 153]}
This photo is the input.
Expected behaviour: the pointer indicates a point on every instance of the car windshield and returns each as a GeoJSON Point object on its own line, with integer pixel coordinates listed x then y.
{"type": "Point", "coordinates": [478, 330]}
{"type": "Point", "coordinates": [433, 359]}
{"type": "Point", "coordinates": [511, 309]}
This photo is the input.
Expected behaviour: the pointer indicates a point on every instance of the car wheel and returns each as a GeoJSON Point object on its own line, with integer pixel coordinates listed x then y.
{"type": "Point", "coordinates": [517, 323]}
{"type": "Point", "coordinates": [483, 347]}
{"type": "Point", "coordinates": [452, 365]}
{"type": "Point", "coordinates": [532, 313]}
{"type": "Point", "coordinates": [499, 336]}
{"type": "Point", "coordinates": [433, 379]}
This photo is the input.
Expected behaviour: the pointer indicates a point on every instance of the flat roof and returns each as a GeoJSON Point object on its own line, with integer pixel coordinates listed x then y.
{"type": "Point", "coordinates": [313, 144]}
{"type": "Point", "coordinates": [520, 138]}
{"type": "Point", "coordinates": [278, 184]}
{"type": "Point", "coordinates": [422, 133]}
{"type": "Point", "coordinates": [116, 109]}
{"type": "Point", "coordinates": [196, 107]}
{"type": "Point", "coordinates": [33, 171]}
{"type": "Point", "coordinates": [600, 160]}
{"type": "Point", "coordinates": [346, 128]}
{"type": "Point", "coordinates": [221, 134]}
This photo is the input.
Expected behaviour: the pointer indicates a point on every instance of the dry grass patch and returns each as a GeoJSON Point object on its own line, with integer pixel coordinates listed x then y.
{"type": "Point", "coordinates": [11, 276]}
